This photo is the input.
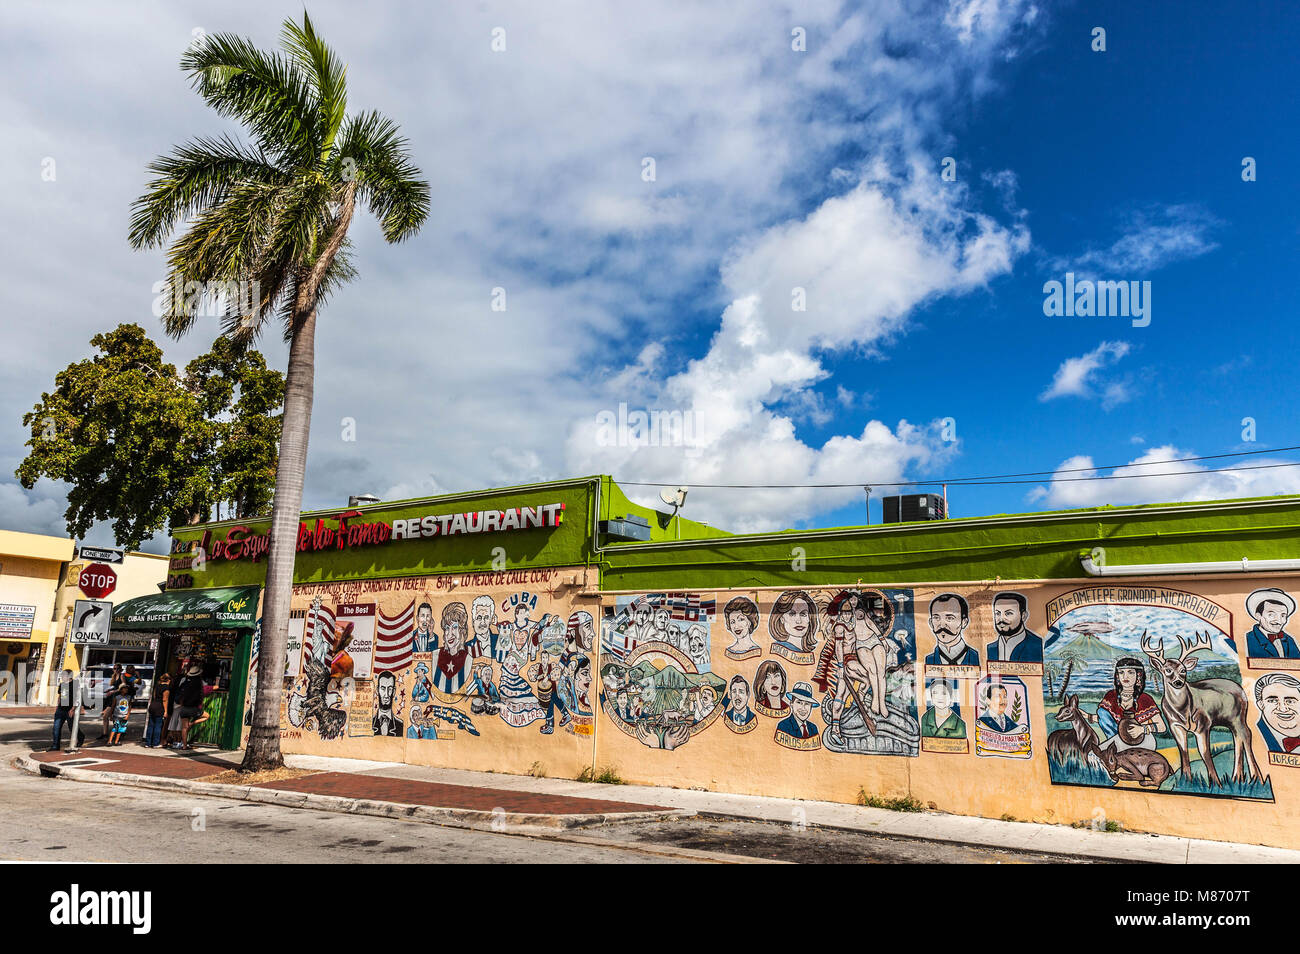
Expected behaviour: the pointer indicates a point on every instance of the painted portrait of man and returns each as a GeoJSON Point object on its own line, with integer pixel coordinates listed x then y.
{"type": "Point", "coordinates": [1277, 696]}
{"type": "Point", "coordinates": [949, 617]}
{"type": "Point", "coordinates": [1015, 642]}
{"type": "Point", "coordinates": [1271, 609]}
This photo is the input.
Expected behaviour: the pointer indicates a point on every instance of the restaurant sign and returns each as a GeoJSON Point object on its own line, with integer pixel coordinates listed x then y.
{"type": "Point", "coordinates": [245, 543]}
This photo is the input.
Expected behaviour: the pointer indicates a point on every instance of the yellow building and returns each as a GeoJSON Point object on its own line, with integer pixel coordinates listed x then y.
{"type": "Point", "coordinates": [31, 565]}
{"type": "Point", "coordinates": [139, 574]}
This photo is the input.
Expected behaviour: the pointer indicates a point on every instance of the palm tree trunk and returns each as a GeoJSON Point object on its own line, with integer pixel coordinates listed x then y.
{"type": "Point", "coordinates": [1065, 680]}
{"type": "Point", "coordinates": [263, 750]}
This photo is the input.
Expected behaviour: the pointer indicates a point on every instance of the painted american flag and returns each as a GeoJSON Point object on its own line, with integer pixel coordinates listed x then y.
{"type": "Point", "coordinates": [393, 639]}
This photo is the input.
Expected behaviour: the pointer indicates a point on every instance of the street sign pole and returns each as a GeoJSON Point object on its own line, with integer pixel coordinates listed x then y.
{"type": "Point", "coordinates": [92, 622]}
{"type": "Point", "coordinates": [73, 745]}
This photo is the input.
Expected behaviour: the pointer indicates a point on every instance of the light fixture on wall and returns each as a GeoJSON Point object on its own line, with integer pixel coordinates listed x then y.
{"type": "Point", "coordinates": [358, 500]}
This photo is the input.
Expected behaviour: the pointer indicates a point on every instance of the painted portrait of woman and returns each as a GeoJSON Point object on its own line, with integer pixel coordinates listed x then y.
{"type": "Point", "coordinates": [740, 617]}
{"type": "Point", "coordinates": [793, 625]}
{"type": "Point", "coordinates": [769, 689]}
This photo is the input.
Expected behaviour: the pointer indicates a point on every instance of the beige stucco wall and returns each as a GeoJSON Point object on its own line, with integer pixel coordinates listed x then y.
{"type": "Point", "coordinates": [708, 754]}
{"type": "Point", "coordinates": [966, 783]}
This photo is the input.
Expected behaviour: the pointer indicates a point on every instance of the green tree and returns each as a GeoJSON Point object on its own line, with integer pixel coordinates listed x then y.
{"type": "Point", "coordinates": [147, 448]}
{"type": "Point", "coordinates": [272, 216]}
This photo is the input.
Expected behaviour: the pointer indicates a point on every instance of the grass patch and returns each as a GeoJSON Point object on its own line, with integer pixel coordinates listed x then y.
{"type": "Point", "coordinates": [606, 776]}
{"type": "Point", "coordinates": [537, 770]}
{"type": "Point", "coordinates": [893, 803]}
{"type": "Point", "coordinates": [236, 777]}
{"type": "Point", "coordinates": [1111, 825]}
{"type": "Point", "coordinates": [1079, 772]}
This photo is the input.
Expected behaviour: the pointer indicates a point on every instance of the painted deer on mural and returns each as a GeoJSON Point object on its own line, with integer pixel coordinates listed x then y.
{"type": "Point", "coordinates": [1078, 741]}
{"type": "Point", "coordinates": [1197, 707]}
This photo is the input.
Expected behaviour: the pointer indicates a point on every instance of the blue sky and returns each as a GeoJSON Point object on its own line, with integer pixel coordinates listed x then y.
{"type": "Point", "coordinates": [774, 169]}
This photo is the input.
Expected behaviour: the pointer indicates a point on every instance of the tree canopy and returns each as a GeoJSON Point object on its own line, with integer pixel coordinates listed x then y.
{"type": "Point", "coordinates": [146, 447]}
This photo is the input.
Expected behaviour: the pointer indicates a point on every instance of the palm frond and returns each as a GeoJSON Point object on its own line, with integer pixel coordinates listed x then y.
{"type": "Point", "coordinates": [196, 175]}
{"type": "Point", "coordinates": [264, 91]}
{"type": "Point", "coordinates": [327, 72]}
{"type": "Point", "coordinates": [388, 182]}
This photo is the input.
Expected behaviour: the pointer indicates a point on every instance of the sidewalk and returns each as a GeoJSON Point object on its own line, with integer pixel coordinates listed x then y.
{"type": "Point", "coordinates": [483, 799]}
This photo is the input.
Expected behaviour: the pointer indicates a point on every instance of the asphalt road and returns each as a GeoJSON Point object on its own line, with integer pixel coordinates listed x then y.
{"type": "Point", "coordinates": [50, 819]}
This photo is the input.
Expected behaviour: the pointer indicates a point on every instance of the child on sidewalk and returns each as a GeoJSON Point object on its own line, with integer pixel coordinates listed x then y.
{"type": "Point", "coordinates": [121, 713]}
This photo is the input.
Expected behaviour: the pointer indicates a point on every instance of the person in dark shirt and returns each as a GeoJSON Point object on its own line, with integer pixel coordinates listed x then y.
{"type": "Point", "coordinates": [153, 735]}
{"type": "Point", "coordinates": [190, 695]}
{"type": "Point", "coordinates": [63, 710]}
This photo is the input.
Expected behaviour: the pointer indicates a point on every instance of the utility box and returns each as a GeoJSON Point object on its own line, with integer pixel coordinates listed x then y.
{"type": "Point", "coordinates": [906, 508]}
{"type": "Point", "coordinates": [630, 527]}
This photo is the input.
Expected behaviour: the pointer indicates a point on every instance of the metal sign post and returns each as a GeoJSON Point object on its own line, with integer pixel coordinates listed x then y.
{"type": "Point", "coordinates": [91, 621]}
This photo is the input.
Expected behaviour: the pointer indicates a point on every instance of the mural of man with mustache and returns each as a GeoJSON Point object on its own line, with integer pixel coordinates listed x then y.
{"type": "Point", "coordinates": [949, 617]}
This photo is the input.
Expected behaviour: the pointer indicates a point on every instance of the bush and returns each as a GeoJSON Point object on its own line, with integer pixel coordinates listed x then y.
{"type": "Point", "coordinates": [893, 803]}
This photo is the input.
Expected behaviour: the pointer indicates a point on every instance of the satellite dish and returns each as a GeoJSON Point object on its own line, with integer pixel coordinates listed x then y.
{"type": "Point", "coordinates": [673, 497]}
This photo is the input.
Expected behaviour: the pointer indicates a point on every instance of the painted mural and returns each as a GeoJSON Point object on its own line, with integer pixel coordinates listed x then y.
{"type": "Point", "coordinates": [836, 669]}
{"type": "Point", "coordinates": [1132, 687]}
{"type": "Point", "coordinates": [656, 680]}
{"type": "Point", "coordinates": [1002, 718]}
{"type": "Point", "coordinates": [1143, 690]}
{"type": "Point", "coordinates": [432, 661]}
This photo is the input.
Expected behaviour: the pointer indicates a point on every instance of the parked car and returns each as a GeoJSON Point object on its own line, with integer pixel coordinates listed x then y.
{"type": "Point", "coordinates": [100, 677]}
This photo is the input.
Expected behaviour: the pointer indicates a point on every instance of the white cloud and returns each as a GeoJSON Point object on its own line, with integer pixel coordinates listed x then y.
{"type": "Point", "coordinates": [535, 158]}
{"type": "Point", "coordinates": [1176, 482]}
{"type": "Point", "coordinates": [865, 260]}
{"type": "Point", "coordinates": [1152, 238]}
{"type": "Point", "coordinates": [1078, 377]}
{"type": "Point", "coordinates": [39, 510]}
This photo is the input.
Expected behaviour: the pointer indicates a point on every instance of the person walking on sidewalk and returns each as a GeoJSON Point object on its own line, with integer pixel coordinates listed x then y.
{"type": "Point", "coordinates": [190, 695]}
{"type": "Point", "coordinates": [110, 694]}
{"type": "Point", "coordinates": [63, 711]}
{"type": "Point", "coordinates": [153, 733]}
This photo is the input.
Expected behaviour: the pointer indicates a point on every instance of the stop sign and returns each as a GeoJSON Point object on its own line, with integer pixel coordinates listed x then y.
{"type": "Point", "coordinates": [97, 580]}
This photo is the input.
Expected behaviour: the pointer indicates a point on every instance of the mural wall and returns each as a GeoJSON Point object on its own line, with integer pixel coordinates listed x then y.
{"type": "Point", "coordinates": [1171, 705]}
{"type": "Point", "coordinates": [483, 670]}
{"type": "Point", "coordinates": [1051, 702]}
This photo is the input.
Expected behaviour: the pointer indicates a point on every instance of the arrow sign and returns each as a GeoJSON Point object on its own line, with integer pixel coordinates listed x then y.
{"type": "Point", "coordinates": [95, 610]}
{"type": "Point", "coordinates": [102, 554]}
{"type": "Point", "coordinates": [91, 621]}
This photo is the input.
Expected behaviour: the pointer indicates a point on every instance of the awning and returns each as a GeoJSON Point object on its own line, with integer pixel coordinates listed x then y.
{"type": "Point", "coordinates": [223, 607]}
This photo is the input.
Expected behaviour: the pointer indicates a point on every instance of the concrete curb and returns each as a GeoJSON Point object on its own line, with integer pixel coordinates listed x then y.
{"type": "Point", "coordinates": [453, 817]}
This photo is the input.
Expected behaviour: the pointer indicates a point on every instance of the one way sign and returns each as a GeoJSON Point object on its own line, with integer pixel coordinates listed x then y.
{"type": "Point", "coordinates": [90, 622]}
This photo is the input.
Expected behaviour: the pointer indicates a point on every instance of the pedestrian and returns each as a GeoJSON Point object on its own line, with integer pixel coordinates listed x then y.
{"type": "Point", "coordinates": [63, 711]}
{"type": "Point", "coordinates": [121, 716]}
{"type": "Point", "coordinates": [110, 694]}
{"type": "Point", "coordinates": [190, 693]}
{"type": "Point", "coordinates": [158, 705]}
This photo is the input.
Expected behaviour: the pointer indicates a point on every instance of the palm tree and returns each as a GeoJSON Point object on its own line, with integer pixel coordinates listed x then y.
{"type": "Point", "coordinates": [275, 213]}
{"type": "Point", "coordinates": [1073, 660]}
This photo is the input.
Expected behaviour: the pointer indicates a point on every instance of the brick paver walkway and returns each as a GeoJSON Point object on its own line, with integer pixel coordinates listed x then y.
{"type": "Point", "coordinates": [440, 795]}
{"type": "Point", "coordinates": [27, 711]}
{"type": "Point", "coordinates": [346, 785]}
{"type": "Point", "coordinates": [191, 766]}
